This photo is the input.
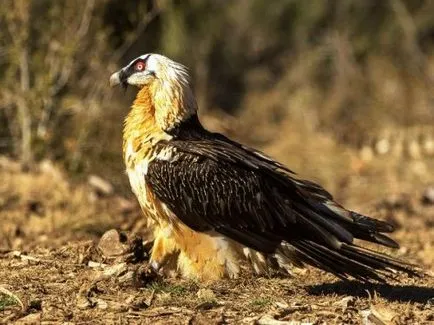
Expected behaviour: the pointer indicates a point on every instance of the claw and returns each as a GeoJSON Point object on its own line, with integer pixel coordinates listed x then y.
{"type": "Point", "coordinates": [155, 266]}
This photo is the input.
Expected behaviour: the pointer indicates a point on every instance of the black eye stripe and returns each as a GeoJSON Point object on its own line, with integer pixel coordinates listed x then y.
{"type": "Point", "coordinates": [131, 68]}
{"type": "Point", "coordinates": [144, 60]}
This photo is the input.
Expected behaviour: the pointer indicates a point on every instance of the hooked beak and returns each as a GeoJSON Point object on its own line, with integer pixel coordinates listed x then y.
{"type": "Point", "coordinates": [117, 78]}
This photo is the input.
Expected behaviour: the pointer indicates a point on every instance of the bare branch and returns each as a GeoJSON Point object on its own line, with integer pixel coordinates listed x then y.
{"type": "Point", "coordinates": [407, 25]}
{"type": "Point", "coordinates": [26, 131]}
{"type": "Point", "coordinates": [24, 70]}
{"type": "Point", "coordinates": [85, 19]}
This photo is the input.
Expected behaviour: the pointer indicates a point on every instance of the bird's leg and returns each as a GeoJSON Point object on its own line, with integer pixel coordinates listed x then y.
{"type": "Point", "coordinates": [164, 247]}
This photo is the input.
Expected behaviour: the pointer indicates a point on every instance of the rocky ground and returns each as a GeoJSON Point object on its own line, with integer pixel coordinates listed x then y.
{"type": "Point", "coordinates": [61, 263]}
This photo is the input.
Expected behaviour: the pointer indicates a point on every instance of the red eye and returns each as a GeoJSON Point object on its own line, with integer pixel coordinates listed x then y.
{"type": "Point", "coordinates": [140, 66]}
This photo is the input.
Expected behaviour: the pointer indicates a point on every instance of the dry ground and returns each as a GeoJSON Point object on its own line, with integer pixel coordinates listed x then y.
{"type": "Point", "coordinates": [52, 269]}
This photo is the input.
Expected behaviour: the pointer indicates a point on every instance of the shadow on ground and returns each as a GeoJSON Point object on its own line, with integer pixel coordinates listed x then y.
{"type": "Point", "coordinates": [397, 293]}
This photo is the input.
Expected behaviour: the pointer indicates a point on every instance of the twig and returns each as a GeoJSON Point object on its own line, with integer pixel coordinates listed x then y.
{"type": "Point", "coordinates": [150, 299]}
{"type": "Point", "coordinates": [85, 19]}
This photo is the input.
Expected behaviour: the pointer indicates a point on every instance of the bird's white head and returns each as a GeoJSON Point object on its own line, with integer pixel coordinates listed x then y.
{"type": "Point", "coordinates": [163, 82]}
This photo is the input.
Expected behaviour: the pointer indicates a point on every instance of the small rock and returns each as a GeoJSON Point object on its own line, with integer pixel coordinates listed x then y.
{"type": "Point", "coordinates": [112, 244]}
{"type": "Point", "coordinates": [428, 195]}
{"type": "Point", "coordinates": [101, 304]}
{"type": "Point", "coordinates": [82, 302]}
{"type": "Point", "coordinates": [101, 186]}
{"type": "Point", "coordinates": [116, 270]}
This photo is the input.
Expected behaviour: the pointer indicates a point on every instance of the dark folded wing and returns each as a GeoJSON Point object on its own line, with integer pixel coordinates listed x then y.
{"type": "Point", "coordinates": [215, 185]}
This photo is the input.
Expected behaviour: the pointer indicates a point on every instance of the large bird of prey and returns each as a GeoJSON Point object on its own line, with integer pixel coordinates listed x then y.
{"type": "Point", "coordinates": [213, 203]}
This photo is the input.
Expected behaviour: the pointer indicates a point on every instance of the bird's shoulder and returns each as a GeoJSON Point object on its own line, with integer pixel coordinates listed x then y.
{"type": "Point", "coordinates": [191, 141]}
{"type": "Point", "coordinates": [195, 151]}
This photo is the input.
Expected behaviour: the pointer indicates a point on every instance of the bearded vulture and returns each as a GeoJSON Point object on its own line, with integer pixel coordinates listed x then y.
{"type": "Point", "coordinates": [213, 203]}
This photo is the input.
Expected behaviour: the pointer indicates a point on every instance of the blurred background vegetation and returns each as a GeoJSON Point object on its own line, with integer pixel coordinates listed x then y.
{"type": "Point", "coordinates": [312, 83]}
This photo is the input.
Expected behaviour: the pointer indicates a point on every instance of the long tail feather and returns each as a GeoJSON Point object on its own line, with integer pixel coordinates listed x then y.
{"type": "Point", "coordinates": [352, 261]}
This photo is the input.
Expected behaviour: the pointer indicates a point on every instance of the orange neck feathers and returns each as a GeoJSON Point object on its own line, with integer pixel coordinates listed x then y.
{"type": "Point", "coordinates": [161, 106]}
{"type": "Point", "coordinates": [157, 109]}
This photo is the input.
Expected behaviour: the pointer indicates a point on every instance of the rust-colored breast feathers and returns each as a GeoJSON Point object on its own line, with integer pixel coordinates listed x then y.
{"type": "Point", "coordinates": [141, 134]}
